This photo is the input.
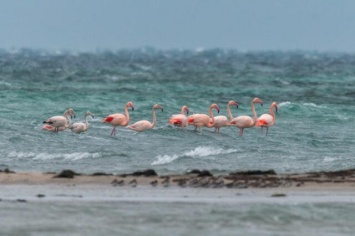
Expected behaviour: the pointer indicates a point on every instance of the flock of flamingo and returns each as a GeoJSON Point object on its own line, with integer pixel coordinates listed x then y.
{"type": "Point", "coordinates": [60, 123]}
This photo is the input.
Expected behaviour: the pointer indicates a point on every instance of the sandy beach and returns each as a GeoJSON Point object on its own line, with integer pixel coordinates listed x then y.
{"type": "Point", "coordinates": [336, 180]}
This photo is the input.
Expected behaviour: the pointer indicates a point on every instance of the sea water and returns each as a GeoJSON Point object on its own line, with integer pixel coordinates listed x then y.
{"type": "Point", "coordinates": [313, 130]}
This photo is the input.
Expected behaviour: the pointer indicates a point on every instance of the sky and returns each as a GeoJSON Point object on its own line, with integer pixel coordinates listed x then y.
{"type": "Point", "coordinates": [245, 25]}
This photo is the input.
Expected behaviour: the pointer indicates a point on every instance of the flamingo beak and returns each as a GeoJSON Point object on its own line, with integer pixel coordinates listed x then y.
{"type": "Point", "coordinates": [187, 111]}
{"type": "Point", "coordinates": [132, 108]}
{"type": "Point", "coordinates": [162, 109]}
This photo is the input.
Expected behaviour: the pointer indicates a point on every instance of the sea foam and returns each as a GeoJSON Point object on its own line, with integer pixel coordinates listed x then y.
{"type": "Point", "coordinates": [50, 156]}
{"type": "Point", "coordinates": [195, 153]}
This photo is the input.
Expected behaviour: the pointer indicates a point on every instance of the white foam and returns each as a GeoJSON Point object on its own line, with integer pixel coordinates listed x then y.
{"type": "Point", "coordinates": [313, 105]}
{"type": "Point", "coordinates": [51, 156]}
{"type": "Point", "coordinates": [195, 153]}
{"type": "Point", "coordinates": [284, 104]}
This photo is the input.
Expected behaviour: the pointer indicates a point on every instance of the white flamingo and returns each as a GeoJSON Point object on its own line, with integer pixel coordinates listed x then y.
{"type": "Point", "coordinates": [79, 127]}
{"type": "Point", "coordinates": [221, 121]}
{"type": "Point", "coordinates": [59, 123]}
{"type": "Point", "coordinates": [243, 122]}
{"type": "Point", "coordinates": [142, 125]}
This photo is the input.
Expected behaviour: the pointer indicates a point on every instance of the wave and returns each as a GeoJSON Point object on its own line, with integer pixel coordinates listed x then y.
{"type": "Point", "coordinates": [197, 152]}
{"type": "Point", "coordinates": [46, 156]}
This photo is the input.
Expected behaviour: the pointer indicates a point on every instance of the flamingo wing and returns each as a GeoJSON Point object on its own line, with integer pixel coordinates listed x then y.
{"type": "Point", "coordinates": [264, 120]}
{"type": "Point", "coordinates": [141, 125]}
{"type": "Point", "coordinates": [242, 122]}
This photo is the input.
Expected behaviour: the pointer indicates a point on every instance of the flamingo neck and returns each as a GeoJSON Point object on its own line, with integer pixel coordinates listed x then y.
{"type": "Point", "coordinates": [255, 117]}
{"type": "Point", "coordinates": [67, 118]}
{"type": "Point", "coordinates": [182, 111]}
{"type": "Point", "coordinates": [86, 122]}
{"type": "Point", "coordinates": [211, 124]}
{"type": "Point", "coordinates": [272, 113]}
{"type": "Point", "coordinates": [229, 112]}
{"type": "Point", "coordinates": [127, 114]}
{"type": "Point", "coordinates": [154, 118]}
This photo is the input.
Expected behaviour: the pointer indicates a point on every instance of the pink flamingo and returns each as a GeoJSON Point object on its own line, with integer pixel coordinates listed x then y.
{"type": "Point", "coordinates": [180, 120]}
{"type": "Point", "coordinates": [118, 119]}
{"type": "Point", "coordinates": [80, 126]}
{"type": "Point", "coordinates": [221, 121]}
{"type": "Point", "coordinates": [59, 123]}
{"type": "Point", "coordinates": [199, 120]}
{"type": "Point", "coordinates": [142, 125]}
{"type": "Point", "coordinates": [243, 122]}
{"type": "Point", "coordinates": [267, 120]}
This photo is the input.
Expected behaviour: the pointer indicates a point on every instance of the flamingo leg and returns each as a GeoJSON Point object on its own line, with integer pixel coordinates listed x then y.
{"type": "Point", "coordinates": [113, 132]}
{"type": "Point", "coordinates": [241, 132]}
{"type": "Point", "coordinates": [267, 129]}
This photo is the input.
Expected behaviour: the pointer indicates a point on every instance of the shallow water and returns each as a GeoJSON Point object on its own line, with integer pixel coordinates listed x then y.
{"type": "Point", "coordinates": [313, 129]}
{"type": "Point", "coordinates": [94, 210]}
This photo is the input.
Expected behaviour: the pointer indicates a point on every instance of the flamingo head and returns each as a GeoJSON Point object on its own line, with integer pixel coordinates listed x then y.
{"type": "Point", "coordinates": [274, 104]}
{"type": "Point", "coordinates": [257, 100]}
{"type": "Point", "coordinates": [215, 106]}
{"type": "Point", "coordinates": [157, 106]}
{"type": "Point", "coordinates": [233, 103]}
{"type": "Point", "coordinates": [70, 112]}
{"type": "Point", "coordinates": [130, 104]}
{"type": "Point", "coordinates": [185, 108]}
{"type": "Point", "coordinates": [88, 113]}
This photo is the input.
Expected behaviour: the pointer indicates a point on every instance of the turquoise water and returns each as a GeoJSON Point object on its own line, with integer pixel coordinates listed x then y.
{"type": "Point", "coordinates": [313, 129]}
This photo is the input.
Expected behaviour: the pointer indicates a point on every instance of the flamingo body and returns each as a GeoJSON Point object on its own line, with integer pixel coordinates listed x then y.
{"type": "Point", "coordinates": [243, 122]}
{"type": "Point", "coordinates": [59, 123]}
{"type": "Point", "coordinates": [142, 125]}
{"type": "Point", "coordinates": [119, 119]}
{"type": "Point", "coordinates": [180, 120]}
{"type": "Point", "coordinates": [199, 120]}
{"type": "Point", "coordinates": [81, 126]}
{"type": "Point", "coordinates": [221, 121]}
{"type": "Point", "coordinates": [267, 120]}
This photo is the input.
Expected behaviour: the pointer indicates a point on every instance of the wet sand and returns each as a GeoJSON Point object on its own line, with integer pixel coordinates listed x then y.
{"type": "Point", "coordinates": [335, 180]}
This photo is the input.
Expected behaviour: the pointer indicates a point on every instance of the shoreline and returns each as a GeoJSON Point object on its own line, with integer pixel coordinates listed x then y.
{"type": "Point", "coordinates": [324, 180]}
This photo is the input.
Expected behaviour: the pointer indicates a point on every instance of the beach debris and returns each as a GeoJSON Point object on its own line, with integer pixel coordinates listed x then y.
{"type": "Point", "coordinates": [166, 181]}
{"type": "Point", "coordinates": [116, 182]}
{"type": "Point", "coordinates": [133, 183]}
{"type": "Point", "coordinates": [278, 195]}
{"type": "Point", "coordinates": [146, 173]}
{"type": "Point", "coordinates": [181, 182]}
{"type": "Point", "coordinates": [66, 174]}
{"type": "Point", "coordinates": [40, 195]}
{"type": "Point", "coordinates": [154, 183]}
{"type": "Point", "coordinates": [101, 174]}
{"type": "Point", "coordinates": [199, 173]}
{"type": "Point", "coordinates": [7, 171]}
{"type": "Point", "coordinates": [21, 200]}
{"type": "Point", "coordinates": [254, 172]}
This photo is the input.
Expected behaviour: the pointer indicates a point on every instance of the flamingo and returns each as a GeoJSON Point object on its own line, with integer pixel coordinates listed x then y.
{"type": "Point", "coordinates": [59, 123]}
{"type": "Point", "coordinates": [180, 120]}
{"type": "Point", "coordinates": [142, 125]}
{"type": "Point", "coordinates": [80, 126]}
{"type": "Point", "coordinates": [221, 121]}
{"type": "Point", "coordinates": [118, 119]}
{"type": "Point", "coordinates": [243, 122]}
{"type": "Point", "coordinates": [199, 120]}
{"type": "Point", "coordinates": [267, 120]}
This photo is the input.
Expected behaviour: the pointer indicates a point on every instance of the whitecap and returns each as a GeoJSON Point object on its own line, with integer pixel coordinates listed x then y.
{"type": "Point", "coordinates": [195, 153]}
{"type": "Point", "coordinates": [284, 104]}
{"type": "Point", "coordinates": [51, 156]}
{"type": "Point", "coordinates": [313, 105]}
